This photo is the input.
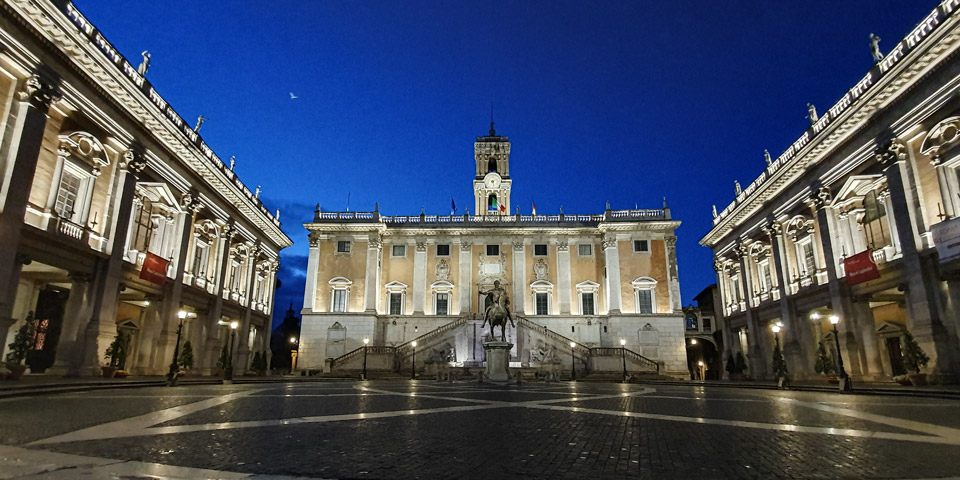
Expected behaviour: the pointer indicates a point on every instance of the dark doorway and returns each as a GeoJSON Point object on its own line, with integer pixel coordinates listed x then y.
{"type": "Point", "coordinates": [47, 322]}
{"type": "Point", "coordinates": [896, 356]}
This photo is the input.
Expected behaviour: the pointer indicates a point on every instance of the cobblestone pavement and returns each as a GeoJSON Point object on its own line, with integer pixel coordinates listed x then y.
{"type": "Point", "coordinates": [407, 430]}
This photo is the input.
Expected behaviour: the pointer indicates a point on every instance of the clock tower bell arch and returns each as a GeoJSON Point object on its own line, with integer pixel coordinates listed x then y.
{"type": "Point", "coordinates": [491, 185]}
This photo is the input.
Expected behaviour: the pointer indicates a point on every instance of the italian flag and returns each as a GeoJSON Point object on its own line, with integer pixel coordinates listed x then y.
{"type": "Point", "coordinates": [498, 206]}
{"type": "Point", "coordinates": [534, 207]}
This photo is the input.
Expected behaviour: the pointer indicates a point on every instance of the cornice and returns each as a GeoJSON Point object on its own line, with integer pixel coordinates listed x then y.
{"type": "Point", "coordinates": [56, 28]}
{"type": "Point", "coordinates": [888, 87]}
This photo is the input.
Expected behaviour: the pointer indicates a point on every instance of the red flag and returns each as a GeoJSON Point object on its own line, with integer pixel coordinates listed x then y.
{"type": "Point", "coordinates": [154, 269]}
{"type": "Point", "coordinates": [534, 207]}
{"type": "Point", "coordinates": [503, 208]}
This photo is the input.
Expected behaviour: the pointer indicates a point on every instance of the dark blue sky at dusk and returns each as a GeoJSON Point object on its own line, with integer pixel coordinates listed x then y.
{"type": "Point", "coordinates": [626, 102]}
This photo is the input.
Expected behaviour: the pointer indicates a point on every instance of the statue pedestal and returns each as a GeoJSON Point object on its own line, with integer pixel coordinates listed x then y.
{"type": "Point", "coordinates": [498, 360]}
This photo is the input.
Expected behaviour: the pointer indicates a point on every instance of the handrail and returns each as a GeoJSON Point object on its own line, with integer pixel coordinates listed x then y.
{"type": "Point", "coordinates": [422, 339]}
{"type": "Point", "coordinates": [584, 351]}
{"type": "Point", "coordinates": [375, 350]}
{"type": "Point", "coordinates": [630, 354]}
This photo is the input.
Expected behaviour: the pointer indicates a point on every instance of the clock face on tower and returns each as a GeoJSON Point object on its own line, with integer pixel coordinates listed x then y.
{"type": "Point", "coordinates": [492, 181]}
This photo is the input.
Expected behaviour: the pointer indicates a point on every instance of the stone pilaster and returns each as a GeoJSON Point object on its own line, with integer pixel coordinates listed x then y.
{"type": "Point", "coordinates": [563, 276]}
{"type": "Point", "coordinates": [371, 284]}
{"type": "Point", "coordinates": [611, 255]}
{"type": "Point", "coordinates": [466, 279]}
{"type": "Point", "coordinates": [28, 122]}
{"type": "Point", "coordinates": [758, 364]}
{"type": "Point", "coordinates": [213, 345]}
{"type": "Point", "coordinates": [419, 278]}
{"type": "Point", "coordinates": [518, 300]}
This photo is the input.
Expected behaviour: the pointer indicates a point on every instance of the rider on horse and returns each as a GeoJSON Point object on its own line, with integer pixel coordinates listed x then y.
{"type": "Point", "coordinates": [497, 312]}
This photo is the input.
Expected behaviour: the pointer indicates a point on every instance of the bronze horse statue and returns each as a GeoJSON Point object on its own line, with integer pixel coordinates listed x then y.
{"type": "Point", "coordinates": [497, 316]}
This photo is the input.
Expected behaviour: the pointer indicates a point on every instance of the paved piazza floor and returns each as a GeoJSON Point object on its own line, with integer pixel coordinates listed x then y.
{"type": "Point", "coordinates": [407, 430]}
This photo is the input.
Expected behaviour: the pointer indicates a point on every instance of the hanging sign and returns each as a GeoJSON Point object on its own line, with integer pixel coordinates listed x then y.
{"type": "Point", "coordinates": [946, 236]}
{"type": "Point", "coordinates": [860, 268]}
{"type": "Point", "coordinates": [154, 269]}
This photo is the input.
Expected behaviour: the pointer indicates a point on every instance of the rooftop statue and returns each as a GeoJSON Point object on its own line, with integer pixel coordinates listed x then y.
{"type": "Point", "coordinates": [875, 48]}
{"type": "Point", "coordinates": [812, 113]}
{"type": "Point", "coordinates": [145, 64]}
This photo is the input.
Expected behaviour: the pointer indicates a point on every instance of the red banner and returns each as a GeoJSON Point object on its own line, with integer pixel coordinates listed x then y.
{"type": "Point", "coordinates": [860, 268]}
{"type": "Point", "coordinates": [154, 269]}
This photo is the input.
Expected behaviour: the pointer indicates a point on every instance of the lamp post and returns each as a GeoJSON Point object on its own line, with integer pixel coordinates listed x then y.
{"type": "Point", "coordinates": [174, 368]}
{"type": "Point", "coordinates": [623, 357]}
{"type": "Point", "coordinates": [228, 372]}
{"type": "Point", "coordinates": [701, 368]}
{"type": "Point", "coordinates": [413, 364]}
{"type": "Point", "coordinates": [293, 354]}
{"type": "Point", "coordinates": [573, 361]}
{"type": "Point", "coordinates": [365, 342]}
{"type": "Point", "coordinates": [845, 385]}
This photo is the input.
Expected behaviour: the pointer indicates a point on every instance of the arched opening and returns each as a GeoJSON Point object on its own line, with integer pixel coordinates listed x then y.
{"type": "Point", "coordinates": [700, 349]}
{"type": "Point", "coordinates": [492, 202]}
{"type": "Point", "coordinates": [492, 164]}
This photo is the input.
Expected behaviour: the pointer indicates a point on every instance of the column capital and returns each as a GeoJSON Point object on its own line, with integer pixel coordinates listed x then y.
{"type": "Point", "coordinates": [518, 246]}
{"type": "Point", "coordinates": [373, 242]}
{"type": "Point", "coordinates": [133, 160]}
{"type": "Point", "coordinates": [609, 242]}
{"type": "Point", "coordinates": [562, 246]}
{"type": "Point", "coordinates": [819, 197]}
{"type": "Point", "coordinates": [891, 153]}
{"type": "Point", "coordinates": [41, 91]}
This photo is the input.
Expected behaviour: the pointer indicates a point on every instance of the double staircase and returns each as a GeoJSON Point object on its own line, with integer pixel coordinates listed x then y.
{"type": "Point", "coordinates": [588, 361]}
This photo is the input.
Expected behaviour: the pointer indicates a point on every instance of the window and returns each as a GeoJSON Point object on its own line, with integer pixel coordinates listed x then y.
{"type": "Point", "coordinates": [339, 300]}
{"type": "Point", "coordinates": [766, 280]}
{"type": "Point", "coordinates": [807, 257]}
{"type": "Point", "coordinates": [200, 255]}
{"type": "Point", "coordinates": [691, 320]}
{"type": "Point", "coordinates": [707, 325]}
{"type": "Point", "coordinates": [644, 301]}
{"type": "Point", "coordinates": [542, 304]}
{"type": "Point", "coordinates": [235, 275]}
{"type": "Point", "coordinates": [735, 286]}
{"type": "Point", "coordinates": [443, 250]}
{"type": "Point", "coordinates": [343, 246]}
{"type": "Point", "coordinates": [493, 250]}
{"type": "Point", "coordinates": [586, 303]}
{"type": "Point", "coordinates": [874, 217]}
{"type": "Point", "coordinates": [644, 288]}
{"type": "Point", "coordinates": [396, 303]}
{"type": "Point", "coordinates": [442, 300]}
{"type": "Point", "coordinates": [70, 184]}
{"type": "Point", "coordinates": [540, 250]}
{"type": "Point", "coordinates": [398, 251]}
{"type": "Point", "coordinates": [641, 246]}
{"type": "Point", "coordinates": [146, 226]}
{"type": "Point", "coordinates": [585, 249]}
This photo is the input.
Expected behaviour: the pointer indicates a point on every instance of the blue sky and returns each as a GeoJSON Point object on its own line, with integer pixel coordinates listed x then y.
{"type": "Point", "coordinates": [626, 102]}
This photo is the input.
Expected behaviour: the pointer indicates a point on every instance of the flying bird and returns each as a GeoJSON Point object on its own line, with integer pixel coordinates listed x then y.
{"type": "Point", "coordinates": [292, 96]}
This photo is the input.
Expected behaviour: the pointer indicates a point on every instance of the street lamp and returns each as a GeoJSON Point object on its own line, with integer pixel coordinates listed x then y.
{"type": "Point", "coordinates": [413, 364]}
{"type": "Point", "coordinates": [845, 385]}
{"type": "Point", "coordinates": [174, 368]}
{"type": "Point", "coordinates": [573, 361]}
{"type": "Point", "coordinates": [623, 357]}
{"type": "Point", "coordinates": [228, 372]}
{"type": "Point", "coordinates": [365, 342]}
{"type": "Point", "coordinates": [702, 373]}
{"type": "Point", "coordinates": [693, 341]}
{"type": "Point", "coordinates": [293, 354]}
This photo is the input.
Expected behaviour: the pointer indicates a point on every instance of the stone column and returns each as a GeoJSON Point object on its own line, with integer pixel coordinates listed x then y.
{"type": "Point", "coordinates": [797, 348]}
{"type": "Point", "coordinates": [313, 265]}
{"type": "Point", "coordinates": [419, 278]}
{"type": "Point", "coordinates": [612, 256]}
{"type": "Point", "coordinates": [243, 352]}
{"type": "Point", "coordinates": [371, 286]}
{"type": "Point", "coordinates": [518, 300]}
{"type": "Point", "coordinates": [171, 300]}
{"type": "Point", "coordinates": [719, 310]}
{"type": "Point", "coordinates": [673, 275]}
{"type": "Point", "coordinates": [212, 345]}
{"type": "Point", "coordinates": [563, 276]}
{"type": "Point", "coordinates": [27, 126]}
{"type": "Point", "coordinates": [75, 315]}
{"type": "Point", "coordinates": [925, 316]}
{"type": "Point", "coordinates": [100, 327]}
{"type": "Point", "coordinates": [869, 348]}
{"type": "Point", "coordinates": [758, 362]}
{"type": "Point", "coordinates": [839, 292]}
{"type": "Point", "coordinates": [271, 301]}
{"type": "Point", "coordinates": [466, 277]}
{"type": "Point", "coordinates": [949, 211]}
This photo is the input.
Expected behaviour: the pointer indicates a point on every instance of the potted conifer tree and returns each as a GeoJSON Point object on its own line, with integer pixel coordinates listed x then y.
{"type": "Point", "coordinates": [914, 358]}
{"type": "Point", "coordinates": [222, 360]}
{"type": "Point", "coordinates": [117, 354]}
{"type": "Point", "coordinates": [780, 367]}
{"type": "Point", "coordinates": [23, 342]}
{"type": "Point", "coordinates": [186, 356]}
{"type": "Point", "coordinates": [824, 364]}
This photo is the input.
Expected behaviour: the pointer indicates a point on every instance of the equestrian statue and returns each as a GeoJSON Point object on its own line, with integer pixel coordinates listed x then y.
{"type": "Point", "coordinates": [497, 312]}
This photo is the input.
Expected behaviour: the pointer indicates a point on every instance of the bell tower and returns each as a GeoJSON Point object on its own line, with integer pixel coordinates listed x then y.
{"type": "Point", "coordinates": [491, 186]}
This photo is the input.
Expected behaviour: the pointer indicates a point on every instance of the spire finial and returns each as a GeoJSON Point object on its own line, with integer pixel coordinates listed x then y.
{"type": "Point", "coordinates": [493, 133]}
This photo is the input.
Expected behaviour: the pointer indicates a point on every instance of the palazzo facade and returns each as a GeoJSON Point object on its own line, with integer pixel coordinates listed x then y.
{"type": "Point", "coordinates": [100, 176]}
{"type": "Point", "coordinates": [857, 219]}
{"type": "Point", "coordinates": [591, 279]}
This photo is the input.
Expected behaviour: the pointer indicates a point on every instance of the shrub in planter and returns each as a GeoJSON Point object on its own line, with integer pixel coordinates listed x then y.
{"type": "Point", "coordinates": [914, 358]}
{"type": "Point", "coordinates": [223, 359]}
{"type": "Point", "coordinates": [23, 342]}
{"type": "Point", "coordinates": [186, 356]}
{"type": "Point", "coordinates": [117, 354]}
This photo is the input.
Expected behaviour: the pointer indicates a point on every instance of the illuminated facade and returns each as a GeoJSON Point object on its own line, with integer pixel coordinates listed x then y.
{"type": "Point", "coordinates": [856, 219]}
{"type": "Point", "coordinates": [591, 279]}
{"type": "Point", "coordinates": [101, 176]}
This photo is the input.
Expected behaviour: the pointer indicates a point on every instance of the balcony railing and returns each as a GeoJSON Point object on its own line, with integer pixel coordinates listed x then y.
{"type": "Point", "coordinates": [610, 215]}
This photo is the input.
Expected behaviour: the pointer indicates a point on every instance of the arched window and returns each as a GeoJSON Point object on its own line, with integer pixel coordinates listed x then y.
{"type": "Point", "coordinates": [492, 202]}
{"type": "Point", "coordinates": [492, 164]}
{"type": "Point", "coordinates": [644, 289]}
